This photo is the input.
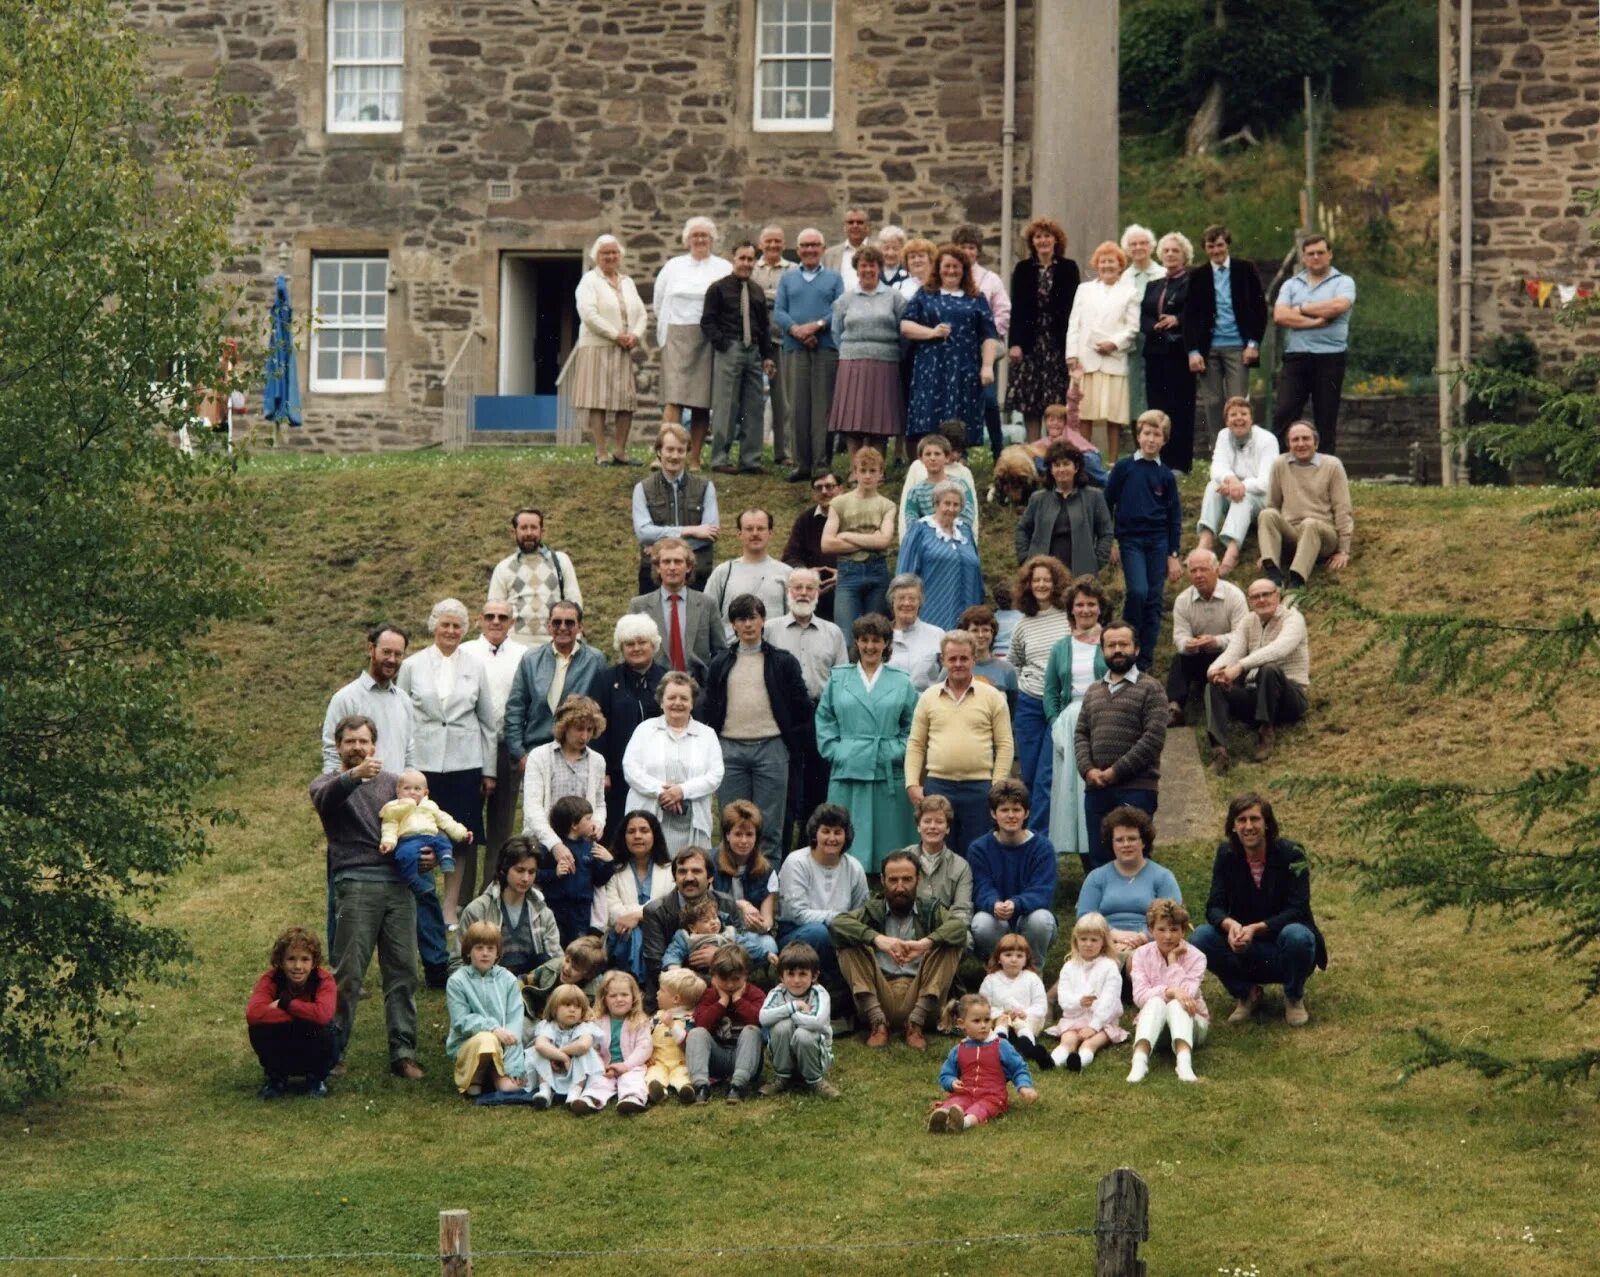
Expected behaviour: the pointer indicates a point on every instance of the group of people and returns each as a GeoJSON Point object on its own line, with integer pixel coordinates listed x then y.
{"type": "Point", "coordinates": [810, 786]}
{"type": "Point", "coordinates": [878, 339]}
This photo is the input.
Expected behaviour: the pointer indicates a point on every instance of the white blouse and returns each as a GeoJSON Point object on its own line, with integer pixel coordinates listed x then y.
{"type": "Point", "coordinates": [680, 290]}
{"type": "Point", "coordinates": [1103, 312]}
{"type": "Point", "coordinates": [654, 749]}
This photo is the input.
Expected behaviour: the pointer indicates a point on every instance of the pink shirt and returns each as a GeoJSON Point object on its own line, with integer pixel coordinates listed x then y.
{"type": "Point", "coordinates": [994, 292]}
{"type": "Point", "coordinates": [1153, 975]}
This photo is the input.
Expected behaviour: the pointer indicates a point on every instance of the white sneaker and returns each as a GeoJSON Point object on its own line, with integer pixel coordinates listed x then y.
{"type": "Point", "coordinates": [1141, 1066]}
{"type": "Point", "coordinates": [1186, 1069]}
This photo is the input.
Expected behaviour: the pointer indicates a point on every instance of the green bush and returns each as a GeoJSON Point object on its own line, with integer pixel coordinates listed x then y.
{"type": "Point", "coordinates": [1155, 84]}
{"type": "Point", "coordinates": [1394, 330]}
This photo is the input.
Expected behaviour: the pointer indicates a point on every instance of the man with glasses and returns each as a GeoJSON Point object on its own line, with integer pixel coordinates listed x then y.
{"type": "Point", "coordinates": [1263, 676]}
{"type": "Point", "coordinates": [803, 313]}
{"type": "Point", "coordinates": [532, 579]}
{"type": "Point", "coordinates": [804, 547]}
{"type": "Point", "coordinates": [546, 676]}
{"type": "Point", "coordinates": [819, 646]}
{"type": "Point", "coordinates": [499, 657]}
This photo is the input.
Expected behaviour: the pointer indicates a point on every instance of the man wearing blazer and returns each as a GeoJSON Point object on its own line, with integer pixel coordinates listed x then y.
{"type": "Point", "coordinates": [546, 676]}
{"type": "Point", "coordinates": [842, 256]}
{"type": "Point", "coordinates": [1224, 319]}
{"type": "Point", "coordinates": [699, 636]}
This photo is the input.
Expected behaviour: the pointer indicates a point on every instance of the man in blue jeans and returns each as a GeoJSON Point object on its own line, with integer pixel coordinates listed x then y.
{"type": "Point", "coordinates": [1259, 928]}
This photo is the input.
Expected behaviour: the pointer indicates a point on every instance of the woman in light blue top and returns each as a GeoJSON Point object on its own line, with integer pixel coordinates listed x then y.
{"type": "Point", "coordinates": [1126, 888]}
{"type": "Point", "coordinates": [941, 550]}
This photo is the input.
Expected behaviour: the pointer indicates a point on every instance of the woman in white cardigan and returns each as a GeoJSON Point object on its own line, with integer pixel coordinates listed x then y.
{"type": "Point", "coordinates": [645, 875]}
{"type": "Point", "coordinates": [612, 323]}
{"type": "Point", "coordinates": [566, 767]}
{"type": "Point", "coordinates": [1101, 332]}
{"type": "Point", "coordinates": [673, 765]}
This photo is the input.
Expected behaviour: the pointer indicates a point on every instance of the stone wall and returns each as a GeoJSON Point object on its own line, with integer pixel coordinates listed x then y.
{"type": "Point", "coordinates": [602, 116]}
{"type": "Point", "coordinates": [1536, 139]}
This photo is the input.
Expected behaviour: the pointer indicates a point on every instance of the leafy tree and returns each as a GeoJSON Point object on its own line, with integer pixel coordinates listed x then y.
{"type": "Point", "coordinates": [119, 551]}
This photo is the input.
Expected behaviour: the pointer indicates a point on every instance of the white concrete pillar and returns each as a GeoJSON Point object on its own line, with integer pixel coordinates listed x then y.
{"type": "Point", "coordinates": [1075, 137]}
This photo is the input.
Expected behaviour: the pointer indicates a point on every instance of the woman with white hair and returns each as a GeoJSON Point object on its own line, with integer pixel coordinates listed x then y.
{"type": "Point", "coordinates": [679, 299]}
{"type": "Point", "coordinates": [453, 734]}
{"type": "Point", "coordinates": [1139, 243]}
{"type": "Point", "coordinates": [673, 765]}
{"type": "Point", "coordinates": [611, 326]}
{"type": "Point", "coordinates": [941, 550]}
{"type": "Point", "coordinates": [1169, 385]}
{"type": "Point", "coordinates": [892, 244]}
{"type": "Point", "coordinates": [627, 696]}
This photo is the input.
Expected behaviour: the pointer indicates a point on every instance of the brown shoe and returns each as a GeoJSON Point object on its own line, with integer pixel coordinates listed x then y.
{"type": "Point", "coordinates": [1174, 714]}
{"type": "Point", "coordinates": [1294, 1012]}
{"type": "Point", "coordinates": [1266, 739]}
{"type": "Point", "coordinates": [1221, 764]}
{"type": "Point", "coordinates": [915, 1039]}
{"type": "Point", "coordinates": [1247, 1006]}
{"type": "Point", "coordinates": [879, 1037]}
{"type": "Point", "coordinates": [407, 1069]}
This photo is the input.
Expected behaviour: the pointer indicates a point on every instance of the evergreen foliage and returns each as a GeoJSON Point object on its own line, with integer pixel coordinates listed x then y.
{"type": "Point", "coordinates": [119, 551]}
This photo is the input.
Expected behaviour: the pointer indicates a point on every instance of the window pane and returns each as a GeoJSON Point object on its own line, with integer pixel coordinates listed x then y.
{"type": "Point", "coordinates": [819, 104]}
{"type": "Point", "coordinates": [822, 39]}
{"type": "Point", "coordinates": [771, 104]}
{"type": "Point", "coordinates": [327, 363]}
{"type": "Point", "coordinates": [350, 277]}
{"type": "Point", "coordinates": [377, 276]}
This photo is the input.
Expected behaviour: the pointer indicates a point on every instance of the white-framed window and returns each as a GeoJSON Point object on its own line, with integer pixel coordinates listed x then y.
{"type": "Point", "coordinates": [366, 63]}
{"type": "Point", "coordinates": [794, 65]}
{"type": "Point", "coordinates": [349, 320]}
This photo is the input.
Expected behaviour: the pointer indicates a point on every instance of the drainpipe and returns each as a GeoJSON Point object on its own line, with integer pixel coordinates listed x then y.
{"type": "Point", "coordinates": [1464, 129]}
{"type": "Point", "coordinates": [1008, 149]}
{"type": "Point", "coordinates": [1446, 317]}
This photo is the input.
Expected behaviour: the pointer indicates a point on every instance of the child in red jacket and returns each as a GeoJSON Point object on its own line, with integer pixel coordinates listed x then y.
{"type": "Point", "coordinates": [976, 1072]}
{"type": "Point", "coordinates": [290, 1016]}
{"type": "Point", "coordinates": [726, 1039]}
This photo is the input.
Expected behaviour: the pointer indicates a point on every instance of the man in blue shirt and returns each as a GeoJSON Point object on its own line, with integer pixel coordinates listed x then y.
{"type": "Point", "coordinates": [1224, 319]}
{"type": "Point", "coordinates": [1314, 307]}
{"type": "Point", "coordinates": [803, 314]}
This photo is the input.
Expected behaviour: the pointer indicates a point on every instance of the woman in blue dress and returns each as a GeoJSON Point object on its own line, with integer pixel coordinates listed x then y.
{"type": "Point", "coordinates": [957, 345]}
{"type": "Point", "coordinates": [941, 549]}
{"type": "Point", "coordinates": [863, 723]}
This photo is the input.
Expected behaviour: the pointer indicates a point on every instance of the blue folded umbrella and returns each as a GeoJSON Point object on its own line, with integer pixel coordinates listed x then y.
{"type": "Point", "coordinates": [280, 391]}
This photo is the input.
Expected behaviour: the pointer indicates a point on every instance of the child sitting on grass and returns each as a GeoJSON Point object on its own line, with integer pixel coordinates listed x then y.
{"type": "Point", "coordinates": [1090, 996]}
{"type": "Point", "coordinates": [564, 1058]}
{"type": "Point", "coordinates": [623, 1032]}
{"type": "Point", "coordinates": [976, 1073]}
{"type": "Point", "coordinates": [485, 1009]}
{"type": "Point", "coordinates": [1017, 996]}
{"type": "Point", "coordinates": [413, 823]}
{"type": "Point", "coordinates": [676, 997]}
{"type": "Point", "coordinates": [569, 882]}
{"type": "Point", "coordinates": [580, 963]}
{"type": "Point", "coordinates": [798, 1018]}
{"type": "Point", "coordinates": [1166, 988]}
{"type": "Point", "coordinates": [726, 1039]}
{"type": "Point", "coordinates": [290, 1017]}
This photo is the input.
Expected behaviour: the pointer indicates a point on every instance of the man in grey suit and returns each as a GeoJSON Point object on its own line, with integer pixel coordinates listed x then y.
{"type": "Point", "coordinates": [698, 635]}
{"type": "Point", "coordinates": [546, 676]}
{"type": "Point", "coordinates": [842, 257]}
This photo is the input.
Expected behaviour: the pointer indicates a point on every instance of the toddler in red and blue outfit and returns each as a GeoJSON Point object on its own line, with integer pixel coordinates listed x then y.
{"type": "Point", "coordinates": [977, 1071]}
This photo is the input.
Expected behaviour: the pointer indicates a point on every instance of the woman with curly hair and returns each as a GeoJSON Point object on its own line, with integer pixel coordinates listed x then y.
{"type": "Point", "coordinates": [1043, 286]}
{"type": "Point", "coordinates": [1040, 590]}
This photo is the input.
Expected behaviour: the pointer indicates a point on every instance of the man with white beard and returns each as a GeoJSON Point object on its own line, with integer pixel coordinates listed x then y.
{"type": "Point", "coordinates": [818, 645]}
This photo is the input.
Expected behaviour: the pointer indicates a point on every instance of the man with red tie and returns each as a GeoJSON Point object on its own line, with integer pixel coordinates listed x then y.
{"type": "Point", "coordinates": [691, 629]}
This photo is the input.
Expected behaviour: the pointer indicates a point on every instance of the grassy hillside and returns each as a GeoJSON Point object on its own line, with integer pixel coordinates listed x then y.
{"type": "Point", "coordinates": [1298, 1153]}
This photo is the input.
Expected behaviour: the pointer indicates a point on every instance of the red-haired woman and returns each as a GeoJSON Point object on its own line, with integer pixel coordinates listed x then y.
{"type": "Point", "coordinates": [1100, 334]}
{"type": "Point", "coordinates": [1043, 286]}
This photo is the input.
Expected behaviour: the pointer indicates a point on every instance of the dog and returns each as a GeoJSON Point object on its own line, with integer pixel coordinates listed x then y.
{"type": "Point", "coordinates": [1015, 477]}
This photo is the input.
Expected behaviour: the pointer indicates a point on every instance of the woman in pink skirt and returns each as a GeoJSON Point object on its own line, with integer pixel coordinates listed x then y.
{"type": "Point", "coordinates": [868, 404]}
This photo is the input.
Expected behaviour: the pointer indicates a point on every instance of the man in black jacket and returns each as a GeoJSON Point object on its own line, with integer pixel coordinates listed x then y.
{"type": "Point", "coordinates": [1224, 318]}
{"type": "Point", "coordinates": [734, 321]}
{"type": "Point", "coordinates": [1259, 929]}
{"type": "Point", "coordinates": [756, 702]}
{"type": "Point", "coordinates": [663, 916]}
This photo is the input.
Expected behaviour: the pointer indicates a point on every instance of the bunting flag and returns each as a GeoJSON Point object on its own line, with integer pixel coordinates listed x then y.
{"type": "Point", "coordinates": [1541, 290]}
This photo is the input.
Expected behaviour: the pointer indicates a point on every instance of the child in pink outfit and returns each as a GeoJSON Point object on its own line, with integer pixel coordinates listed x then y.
{"type": "Point", "coordinates": [1166, 989]}
{"type": "Point", "coordinates": [622, 1037]}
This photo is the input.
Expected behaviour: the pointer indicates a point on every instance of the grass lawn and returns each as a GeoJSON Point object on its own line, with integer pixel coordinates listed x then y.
{"type": "Point", "coordinates": [1297, 1153]}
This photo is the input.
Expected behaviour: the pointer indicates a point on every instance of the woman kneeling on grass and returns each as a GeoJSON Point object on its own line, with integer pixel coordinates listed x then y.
{"type": "Point", "coordinates": [485, 1004]}
{"type": "Point", "coordinates": [290, 1016]}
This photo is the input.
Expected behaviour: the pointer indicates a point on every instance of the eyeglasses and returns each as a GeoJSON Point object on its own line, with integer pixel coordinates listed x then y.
{"type": "Point", "coordinates": [1262, 594]}
{"type": "Point", "coordinates": [497, 616]}
{"type": "Point", "coordinates": [563, 623]}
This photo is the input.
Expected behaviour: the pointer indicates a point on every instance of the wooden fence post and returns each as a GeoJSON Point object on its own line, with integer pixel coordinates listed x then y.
{"type": "Point", "coordinates": [1122, 1221]}
{"type": "Point", "coordinates": [455, 1243]}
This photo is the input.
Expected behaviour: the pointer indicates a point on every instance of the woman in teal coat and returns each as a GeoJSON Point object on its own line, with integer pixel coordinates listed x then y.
{"type": "Point", "coordinates": [863, 722]}
{"type": "Point", "coordinates": [1075, 662]}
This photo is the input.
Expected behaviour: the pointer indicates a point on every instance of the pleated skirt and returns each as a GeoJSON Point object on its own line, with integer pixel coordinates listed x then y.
{"type": "Point", "coordinates": [1105, 397]}
{"type": "Point", "coordinates": [601, 377]}
{"type": "Point", "coordinates": [868, 399]}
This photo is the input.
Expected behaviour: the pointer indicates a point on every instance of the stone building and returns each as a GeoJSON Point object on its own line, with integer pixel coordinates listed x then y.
{"type": "Point", "coordinates": [430, 173]}
{"type": "Point", "coordinates": [1529, 89]}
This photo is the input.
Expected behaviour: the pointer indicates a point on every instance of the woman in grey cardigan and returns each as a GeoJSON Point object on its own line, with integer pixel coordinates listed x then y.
{"type": "Point", "coordinates": [868, 405]}
{"type": "Point", "coordinates": [1069, 519]}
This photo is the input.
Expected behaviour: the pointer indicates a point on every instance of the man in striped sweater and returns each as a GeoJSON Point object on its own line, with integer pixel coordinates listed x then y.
{"type": "Point", "coordinates": [1121, 731]}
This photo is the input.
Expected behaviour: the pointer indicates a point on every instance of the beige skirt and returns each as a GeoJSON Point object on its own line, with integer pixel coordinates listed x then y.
{"type": "Point", "coordinates": [601, 377]}
{"type": "Point", "coordinates": [1105, 397]}
{"type": "Point", "coordinates": [479, 1052]}
{"type": "Point", "coordinates": [686, 367]}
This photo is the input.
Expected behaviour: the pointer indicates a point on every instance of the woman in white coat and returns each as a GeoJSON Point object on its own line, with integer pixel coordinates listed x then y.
{"type": "Point", "coordinates": [673, 765]}
{"type": "Point", "coordinates": [453, 734]}
{"type": "Point", "coordinates": [612, 323]}
{"type": "Point", "coordinates": [679, 299]}
{"type": "Point", "coordinates": [1102, 330]}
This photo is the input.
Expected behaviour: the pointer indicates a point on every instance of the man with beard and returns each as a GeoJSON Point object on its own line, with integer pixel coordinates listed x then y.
{"type": "Point", "coordinates": [1121, 730]}
{"type": "Point", "coordinates": [818, 645]}
{"type": "Point", "coordinates": [663, 915]}
{"type": "Point", "coordinates": [899, 954]}
{"type": "Point", "coordinates": [532, 579]}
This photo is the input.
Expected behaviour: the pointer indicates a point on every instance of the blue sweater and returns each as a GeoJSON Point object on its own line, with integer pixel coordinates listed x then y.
{"type": "Point", "coordinates": [804, 301]}
{"type": "Point", "coordinates": [1124, 900]}
{"type": "Point", "coordinates": [1024, 874]}
{"type": "Point", "coordinates": [1143, 495]}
